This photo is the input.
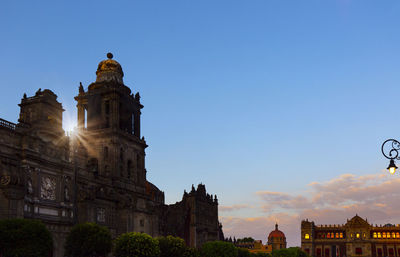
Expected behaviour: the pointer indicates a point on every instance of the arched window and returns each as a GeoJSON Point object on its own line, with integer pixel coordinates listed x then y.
{"type": "Point", "coordinates": [307, 236]}
{"type": "Point", "coordinates": [337, 235]}
{"type": "Point", "coordinates": [375, 235]}
{"type": "Point", "coordinates": [383, 234]}
{"type": "Point", "coordinates": [379, 235]}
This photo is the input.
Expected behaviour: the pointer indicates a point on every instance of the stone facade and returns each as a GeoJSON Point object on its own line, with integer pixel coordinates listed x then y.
{"type": "Point", "coordinates": [97, 174]}
{"type": "Point", "coordinates": [356, 238]}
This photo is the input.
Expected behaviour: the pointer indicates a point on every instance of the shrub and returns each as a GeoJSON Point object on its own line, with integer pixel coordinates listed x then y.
{"type": "Point", "coordinates": [219, 249]}
{"type": "Point", "coordinates": [191, 252]}
{"type": "Point", "coordinates": [88, 239]}
{"type": "Point", "coordinates": [135, 244]}
{"type": "Point", "coordinates": [24, 237]}
{"type": "Point", "coordinates": [171, 246]}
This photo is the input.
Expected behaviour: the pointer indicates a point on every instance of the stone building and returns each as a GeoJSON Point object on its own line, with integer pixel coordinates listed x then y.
{"type": "Point", "coordinates": [355, 238]}
{"type": "Point", "coordinates": [97, 174]}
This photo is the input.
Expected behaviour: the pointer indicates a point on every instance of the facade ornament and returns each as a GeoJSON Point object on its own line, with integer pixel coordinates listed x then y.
{"type": "Point", "coordinates": [48, 188]}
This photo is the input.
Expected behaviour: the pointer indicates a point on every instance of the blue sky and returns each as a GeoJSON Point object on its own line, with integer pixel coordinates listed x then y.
{"type": "Point", "coordinates": [244, 96]}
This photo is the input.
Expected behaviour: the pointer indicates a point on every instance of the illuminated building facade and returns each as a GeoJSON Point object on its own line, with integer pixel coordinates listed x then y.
{"type": "Point", "coordinates": [355, 238]}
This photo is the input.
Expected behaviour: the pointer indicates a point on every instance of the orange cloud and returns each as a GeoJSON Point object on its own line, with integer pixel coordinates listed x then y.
{"type": "Point", "coordinates": [373, 196]}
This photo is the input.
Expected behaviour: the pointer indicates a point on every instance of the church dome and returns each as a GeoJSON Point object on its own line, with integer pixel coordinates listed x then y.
{"type": "Point", "coordinates": [109, 70]}
{"type": "Point", "coordinates": [276, 233]}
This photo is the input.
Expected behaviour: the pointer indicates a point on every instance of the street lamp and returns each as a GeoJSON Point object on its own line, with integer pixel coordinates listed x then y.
{"type": "Point", "coordinates": [391, 153]}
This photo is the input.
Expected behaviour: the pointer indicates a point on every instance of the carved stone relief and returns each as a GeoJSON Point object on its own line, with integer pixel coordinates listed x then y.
{"type": "Point", "coordinates": [101, 215]}
{"type": "Point", "coordinates": [48, 188]}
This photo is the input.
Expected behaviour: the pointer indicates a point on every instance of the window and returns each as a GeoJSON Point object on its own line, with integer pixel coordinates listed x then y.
{"type": "Point", "coordinates": [358, 235]}
{"type": "Point", "coordinates": [341, 235]}
{"type": "Point", "coordinates": [328, 235]}
{"type": "Point", "coordinates": [391, 252]}
{"type": "Point", "coordinates": [393, 235]}
{"type": "Point", "coordinates": [375, 235]}
{"type": "Point", "coordinates": [384, 234]}
{"type": "Point", "coordinates": [388, 235]}
{"type": "Point", "coordinates": [337, 235]}
{"type": "Point", "coordinates": [142, 223]}
{"type": "Point", "coordinates": [332, 235]}
{"type": "Point", "coordinates": [379, 251]}
{"type": "Point", "coordinates": [379, 235]}
{"type": "Point", "coordinates": [358, 250]}
{"type": "Point", "coordinates": [397, 235]}
{"type": "Point", "coordinates": [307, 236]}
{"type": "Point", "coordinates": [319, 252]}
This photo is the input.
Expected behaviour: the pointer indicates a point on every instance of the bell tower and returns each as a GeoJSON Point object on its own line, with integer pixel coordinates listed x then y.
{"type": "Point", "coordinates": [109, 125]}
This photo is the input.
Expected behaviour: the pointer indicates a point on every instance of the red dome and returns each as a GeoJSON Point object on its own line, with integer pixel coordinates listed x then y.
{"type": "Point", "coordinates": [276, 233]}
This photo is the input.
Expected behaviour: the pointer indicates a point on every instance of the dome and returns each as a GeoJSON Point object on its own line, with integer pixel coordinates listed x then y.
{"type": "Point", "coordinates": [276, 233]}
{"type": "Point", "coordinates": [109, 70]}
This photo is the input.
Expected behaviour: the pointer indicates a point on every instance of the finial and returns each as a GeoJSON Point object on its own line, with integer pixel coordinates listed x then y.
{"type": "Point", "coordinates": [110, 55]}
{"type": "Point", "coordinates": [24, 95]}
{"type": "Point", "coordinates": [276, 226]}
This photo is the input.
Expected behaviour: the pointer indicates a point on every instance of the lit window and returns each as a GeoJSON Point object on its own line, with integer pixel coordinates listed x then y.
{"type": "Point", "coordinates": [332, 235]}
{"type": "Point", "coordinates": [397, 234]}
{"type": "Point", "coordinates": [341, 235]}
{"type": "Point", "coordinates": [337, 235]}
{"type": "Point", "coordinates": [358, 235]}
{"type": "Point", "coordinates": [379, 234]}
{"type": "Point", "coordinates": [375, 235]}
{"type": "Point", "coordinates": [388, 235]}
{"type": "Point", "coordinates": [351, 235]}
{"type": "Point", "coordinates": [307, 236]}
{"type": "Point", "coordinates": [328, 235]}
{"type": "Point", "coordinates": [384, 234]}
{"type": "Point", "coordinates": [364, 235]}
{"type": "Point", "coordinates": [393, 235]}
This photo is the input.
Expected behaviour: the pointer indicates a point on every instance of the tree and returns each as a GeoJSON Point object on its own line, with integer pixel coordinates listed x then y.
{"type": "Point", "coordinates": [245, 240]}
{"type": "Point", "coordinates": [219, 249]}
{"type": "Point", "coordinates": [24, 237]}
{"type": "Point", "coordinates": [171, 246]}
{"type": "Point", "coordinates": [289, 252]}
{"type": "Point", "coordinates": [135, 244]}
{"type": "Point", "coordinates": [88, 240]}
{"type": "Point", "coordinates": [242, 252]}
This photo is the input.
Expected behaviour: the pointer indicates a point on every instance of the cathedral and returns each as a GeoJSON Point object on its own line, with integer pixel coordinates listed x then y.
{"type": "Point", "coordinates": [95, 174]}
{"type": "Point", "coordinates": [356, 238]}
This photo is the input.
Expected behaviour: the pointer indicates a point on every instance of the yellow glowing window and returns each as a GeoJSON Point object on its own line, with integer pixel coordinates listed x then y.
{"type": "Point", "coordinates": [375, 235]}
{"type": "Point", "coordinates": [337, 235]}
{"type": "Point", "coordinates": [384, 234]}
{"type": "Point", "coordinates": [341, 235]}
{"type": "Point", "coordinates": [397, 235]}
{"type": "Point", "coordinates": [364, 235]}
{"type": "Point", "coordinates": [351, 235]}
{"type": "Point", "coordinates": [379, 234]}
{"type": "Point", "coordinates": [307, 236]}
{"type": "Point", "coordinates": [393, 235]}
{"type": "Point", "coordinates": [388, 234]}
{"type": "Point", "coordinates": [358, 235]}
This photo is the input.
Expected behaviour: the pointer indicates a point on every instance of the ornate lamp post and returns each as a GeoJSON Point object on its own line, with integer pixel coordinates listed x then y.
{"type": "Point", "coordinates": [391, 152]}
